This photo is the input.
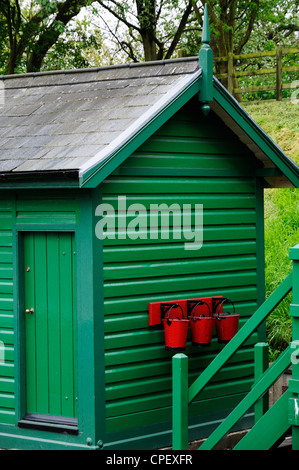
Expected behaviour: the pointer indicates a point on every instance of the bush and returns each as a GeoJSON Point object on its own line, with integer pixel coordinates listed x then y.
{"type": "Point", "coordinates": [281, 233]}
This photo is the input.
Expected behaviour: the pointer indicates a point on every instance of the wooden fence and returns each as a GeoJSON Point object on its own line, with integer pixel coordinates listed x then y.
{"type": "Point", "coordinates": [234, 72]}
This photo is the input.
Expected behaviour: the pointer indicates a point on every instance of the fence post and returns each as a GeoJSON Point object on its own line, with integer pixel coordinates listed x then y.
{"type": "Point", "coordinates": [180, 402]}
{"type": "Point", "coordinates": [279, 73]}
{"type": "Point", "coordinates": [294, 382]}
{"type": "Point", "coordinates": [230, 72]}
{"type": "Point", "coordinates": [261, 363]}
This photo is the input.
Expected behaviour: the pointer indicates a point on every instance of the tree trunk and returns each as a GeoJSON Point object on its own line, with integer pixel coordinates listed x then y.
{"type": "Point", "coordinates": [146, 13]}
{"type": "Point", "coordinates": [149, 45]}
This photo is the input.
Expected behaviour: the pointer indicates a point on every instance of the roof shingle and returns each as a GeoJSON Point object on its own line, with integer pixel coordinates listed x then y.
{"type": "Point", "coordinates": [60, 120]}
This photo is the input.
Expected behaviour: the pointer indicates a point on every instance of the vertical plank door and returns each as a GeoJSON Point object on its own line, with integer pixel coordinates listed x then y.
{"type": "Point", "coordinates": [50, 324]}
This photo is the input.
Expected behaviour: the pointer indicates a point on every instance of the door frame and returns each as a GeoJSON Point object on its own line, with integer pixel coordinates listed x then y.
{"type": "Point", "coordinates": [90, 333]}
{"type": "Point", "coordinates": [19, 308]}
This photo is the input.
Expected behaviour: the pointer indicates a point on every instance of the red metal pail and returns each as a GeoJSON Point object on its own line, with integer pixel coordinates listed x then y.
{"type": "Point", "coordinates": [202, 330]}
{"type": "Point", "coordinates": [202, 324]}
{"type": "Point", "coordinates": [226, 326]}
{"type": "Point", "coordinates": [175, 331]}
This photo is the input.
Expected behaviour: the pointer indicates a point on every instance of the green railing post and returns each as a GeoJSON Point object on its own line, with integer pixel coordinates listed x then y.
{"type": "Point", "coordinates": [261, 363]}
{"type": "Point", "coordinates": [180, 402]}
{"type": "Point", "coordinates": [294, 382]}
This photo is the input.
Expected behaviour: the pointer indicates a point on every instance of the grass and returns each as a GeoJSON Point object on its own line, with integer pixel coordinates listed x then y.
{"type": "Point", "coordinates": [280, 121]}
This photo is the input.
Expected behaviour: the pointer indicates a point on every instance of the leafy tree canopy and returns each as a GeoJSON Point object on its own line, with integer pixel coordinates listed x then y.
{"type": "Point", "coordinates": [44, 34]}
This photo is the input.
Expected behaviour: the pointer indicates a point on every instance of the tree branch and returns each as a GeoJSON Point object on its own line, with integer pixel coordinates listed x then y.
{"type": "Point", "coordinates": [66, 11]}
{"type": "Point", "coordinates": [118, 16]}
{"type": "Point", "coordinates": [179, 30]}
{"type": "Point", "coordinates": [252, 19]}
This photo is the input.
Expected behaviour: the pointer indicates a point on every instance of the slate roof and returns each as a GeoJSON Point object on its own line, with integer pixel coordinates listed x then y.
{"type": "Point", "coordinates": [60, 120]}
{"type": "Point", "coordinates": [76, 123]}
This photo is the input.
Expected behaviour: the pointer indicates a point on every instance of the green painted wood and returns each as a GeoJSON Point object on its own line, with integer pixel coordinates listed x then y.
{"type": "Point", "coordinates": [269, 428]}
{"type": "Point", "coordinates": [7, 370]}
{"type": "Point", "coordinates": [259, 316]}
{"type": "Point", "coordinates": [7, 385]}
{"type": "Point", "coordinates": [153, 417]}
{"type": "Point", "coordinates": [7, 417]}
{"type": "Point", "coordinates": [176, 185]}
{"type": "Point", "coordinates": [161, 368]}
{"type": "Point", "coordinates": [137, 320]}
{"type": "Point", "coordinates": [294, 311]}
{"type": "Point", "coordinates": [210, 218]}
{"type": "Point", "coordinates": [54, 333]}
{"type": "Point", "coordinates": [125, 389]}
{"type": "Point", "coordinates": [176, 251]}
{"type": "Point", "coordinates": [192, 145]}
{"type": "Point", "coordinates": [30, 351]}
{"type": "Point", "coordinates": [128, 356]}
{"type": "Point", "coordinates": [136, 304]}
{"type": "Point", "coordinates": [121, 271]}
{"type": "Point", "coordinates": [90, 332]}
{"type": "Point", "coordinates": [180, 402]}
{"type": "Point", "coordinates": [256, 392]}
{"type": "Point", "coordinates": [209, 200]}
{"type": "Point", "coordinates": [162, 399]}
{"type": "Point", "coordinates": [207, 281]}
{"type": "Point", "coordinates": [50, 332]}
{"type": "Point", "coordinates": [160, 236]}
{"type": "Point", "coordinates": [261, 362]}
{"type": "Point", "coordinates": [29, 207]}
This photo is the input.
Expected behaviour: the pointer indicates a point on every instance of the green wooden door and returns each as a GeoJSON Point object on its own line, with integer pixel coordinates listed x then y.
{"type": "Point", "coordinates": [50, 311]}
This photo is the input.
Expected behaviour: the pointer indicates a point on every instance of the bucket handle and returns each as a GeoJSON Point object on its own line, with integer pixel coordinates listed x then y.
{"type": "Point", "coordinates": [169, 310]}
{"type": "Point", "coordinates": [223, 301]}
{"type": "Point", "coordinates": [200, 302]}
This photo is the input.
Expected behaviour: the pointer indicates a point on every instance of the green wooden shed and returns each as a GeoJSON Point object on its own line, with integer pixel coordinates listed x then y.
{"type": "Point", "coordinates": [86, 150]}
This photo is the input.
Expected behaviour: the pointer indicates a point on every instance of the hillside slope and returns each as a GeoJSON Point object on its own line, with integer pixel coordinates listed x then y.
{"type": "Point", "coordinates": [281, 121]}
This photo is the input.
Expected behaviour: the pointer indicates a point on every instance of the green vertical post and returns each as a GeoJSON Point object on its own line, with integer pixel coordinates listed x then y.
{"type": "Point", "coordinates": [294, 382]}
{"type": "Point", "coordinates": [180, 402]}
{"type": "Point", "coordinates": [261, 361]}
{"type": "Point", "coordinates": [91, 351]}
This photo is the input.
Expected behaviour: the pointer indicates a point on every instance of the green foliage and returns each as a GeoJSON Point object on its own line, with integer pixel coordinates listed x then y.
{"type": "Point", "coordinates": [281, 233]}
{"type": "Point", "coordinates": [30, 29]}
{"type": "Point", "coordinates": [74, 48]}
{"type": "Point", "coordinates": [281, 216]}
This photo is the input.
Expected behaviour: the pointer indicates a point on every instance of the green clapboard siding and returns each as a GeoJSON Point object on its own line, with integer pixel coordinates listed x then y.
{"type": "Point", "coordinates": [176, 166]}
{"type": "Point", "coordinates": [7, 403]}
{"type": "Point", "coordinates": [28, 207]}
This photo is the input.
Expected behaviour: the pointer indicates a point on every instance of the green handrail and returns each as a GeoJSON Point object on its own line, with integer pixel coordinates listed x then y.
{"type": "Point", "coordinates": [180, 369]}
{"type": "Point", "coordinates": [243, 334]}
{"type": "Point", "coordinates": [268, 378]}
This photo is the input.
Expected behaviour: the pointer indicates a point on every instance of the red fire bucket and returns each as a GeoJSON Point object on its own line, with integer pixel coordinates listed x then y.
{"type": "Point", "coordinates": [201, 327]}
{"type": "Point", "coordinates": [226, 324]}
{"type": "Point", "coordinates": [175, 331]}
